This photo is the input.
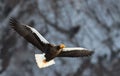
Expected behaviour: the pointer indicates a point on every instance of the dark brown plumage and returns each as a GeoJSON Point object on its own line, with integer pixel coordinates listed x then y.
{"type": "Point", "coordinates": [51, 51]}
{"type": "Point", "coordinates": [26, 31]}
{"type": "Point", "coordinates": [76, 53]}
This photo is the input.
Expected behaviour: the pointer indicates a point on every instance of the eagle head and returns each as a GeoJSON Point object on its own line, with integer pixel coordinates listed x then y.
{"type": "Point", "coordinates": [61, 46]}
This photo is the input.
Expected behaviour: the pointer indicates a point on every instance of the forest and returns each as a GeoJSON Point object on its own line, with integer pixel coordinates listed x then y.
{"type": "Point", "coordinates": [92, 24]}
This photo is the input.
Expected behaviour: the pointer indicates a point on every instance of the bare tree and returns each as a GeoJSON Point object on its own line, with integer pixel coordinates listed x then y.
{"type": "Point", "coordinates": [93, 24]}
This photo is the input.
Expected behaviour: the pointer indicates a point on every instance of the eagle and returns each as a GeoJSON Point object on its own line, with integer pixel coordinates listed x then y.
{"type": "Point", "coordinates": [49, 50]}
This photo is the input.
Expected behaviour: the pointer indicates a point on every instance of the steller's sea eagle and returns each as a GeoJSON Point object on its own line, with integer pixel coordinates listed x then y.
{"type": "Point", "coordinates": [50, 51]}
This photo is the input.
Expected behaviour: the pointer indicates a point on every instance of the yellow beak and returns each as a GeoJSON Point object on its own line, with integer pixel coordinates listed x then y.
{"type": "Point", "coordinates": [62, 46]}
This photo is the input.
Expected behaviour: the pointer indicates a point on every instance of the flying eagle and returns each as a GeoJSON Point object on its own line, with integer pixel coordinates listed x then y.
{"type": "Point", "coordinates": [49, 51]}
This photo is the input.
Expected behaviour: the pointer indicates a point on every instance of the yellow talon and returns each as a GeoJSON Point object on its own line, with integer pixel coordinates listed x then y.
{"type": "Point", "coordinates": [44, 61]}
{"type": "Point", "coordinates": [62, 46]}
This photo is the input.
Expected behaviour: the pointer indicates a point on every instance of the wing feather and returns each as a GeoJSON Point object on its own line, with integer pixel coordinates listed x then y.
{"type": "Point", "coordinates": [29, 33]}
{"type": "Point", "coordinates": [37, 35]}
{"type": "Point", "coordinates": [75, 52]}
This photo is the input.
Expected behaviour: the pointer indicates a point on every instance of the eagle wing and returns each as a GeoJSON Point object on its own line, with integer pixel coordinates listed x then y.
{"type": "Point", "coordinates": [75, 52]}
{"type": "Point", "coordinates": [29, 33]}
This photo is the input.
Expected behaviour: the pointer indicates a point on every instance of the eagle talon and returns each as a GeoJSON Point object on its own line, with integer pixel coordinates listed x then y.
{"type": "Point", "coordinates": [44, 61]}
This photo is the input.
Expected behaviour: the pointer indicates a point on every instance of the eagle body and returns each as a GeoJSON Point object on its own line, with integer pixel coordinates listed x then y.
{"type": "Point", "coordinates": [49, 51]}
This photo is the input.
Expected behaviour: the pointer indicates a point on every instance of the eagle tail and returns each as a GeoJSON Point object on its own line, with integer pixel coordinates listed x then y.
{"type": "Point", "coordinates": [40, 61]}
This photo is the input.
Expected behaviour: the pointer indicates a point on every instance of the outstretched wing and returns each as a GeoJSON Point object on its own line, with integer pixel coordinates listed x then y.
{"type": "Point", "coordinates": [75, 52]}
{"type": "Point", "coordinates": [29, 33]}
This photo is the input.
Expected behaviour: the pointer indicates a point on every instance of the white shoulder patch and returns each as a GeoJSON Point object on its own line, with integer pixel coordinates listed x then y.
{"type": "Point", "coordinates": [74, 48]}
{"type": "Point", "coordinates": [39, 60]}
{"type": "Point", "coordinates": [38, 34]}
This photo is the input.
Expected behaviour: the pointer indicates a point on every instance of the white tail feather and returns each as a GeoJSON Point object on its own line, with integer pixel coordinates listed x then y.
{"type": "Point", "coordinates": [40, 61]}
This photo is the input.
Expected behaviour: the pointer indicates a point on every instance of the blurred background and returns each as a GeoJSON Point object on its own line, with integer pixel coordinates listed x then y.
{"type": "Point", "coordinates": [92, 24]}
